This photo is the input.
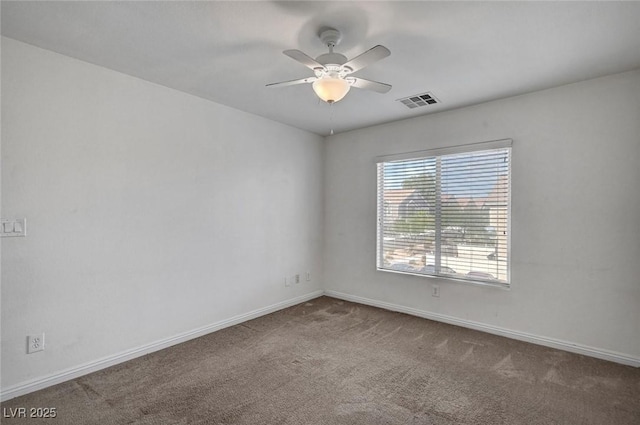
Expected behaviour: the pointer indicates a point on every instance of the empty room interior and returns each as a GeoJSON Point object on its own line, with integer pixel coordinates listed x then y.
{"type": "Point", "coordinates": [320, 212]}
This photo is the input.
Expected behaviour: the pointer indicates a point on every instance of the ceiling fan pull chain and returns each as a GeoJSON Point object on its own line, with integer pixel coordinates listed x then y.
{"type": "Point", "coordinates": [331, 118]}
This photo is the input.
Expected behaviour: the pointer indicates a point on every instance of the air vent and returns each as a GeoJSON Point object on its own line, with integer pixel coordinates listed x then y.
{"type": "Point", "coordinates": [418, 100]}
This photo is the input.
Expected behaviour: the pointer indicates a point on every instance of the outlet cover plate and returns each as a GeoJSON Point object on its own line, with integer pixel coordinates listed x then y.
{"type": "Point", "coordinates": [35, 343]}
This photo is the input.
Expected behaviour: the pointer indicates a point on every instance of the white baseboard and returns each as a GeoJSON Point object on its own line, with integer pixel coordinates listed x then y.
{"type": "Point", "coordinates": [522, 336]}
{"type": "Point", "coordinates": [94, 366]}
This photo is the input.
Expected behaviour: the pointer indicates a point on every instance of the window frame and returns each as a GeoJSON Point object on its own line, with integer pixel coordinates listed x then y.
{"type": "Point", "coordinates": [433, 153]}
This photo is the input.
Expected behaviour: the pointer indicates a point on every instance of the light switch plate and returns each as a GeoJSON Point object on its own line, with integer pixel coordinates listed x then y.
{"type": "Point", "coordinates": [13, 228]}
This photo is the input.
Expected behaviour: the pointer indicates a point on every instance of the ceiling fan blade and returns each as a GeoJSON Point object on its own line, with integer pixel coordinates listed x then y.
{"type": "Point", "coordinates": [292, 82]}
{"type": "Point", "coordinates": [361, 83]}
{"type": "Point", "coordinates": [301, 57]}
{"type": "Point", "coordinates": [372, 55]}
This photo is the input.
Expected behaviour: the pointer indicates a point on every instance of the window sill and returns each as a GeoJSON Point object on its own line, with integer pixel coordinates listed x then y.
{"type": "Point", "coordinates": [482, 283]}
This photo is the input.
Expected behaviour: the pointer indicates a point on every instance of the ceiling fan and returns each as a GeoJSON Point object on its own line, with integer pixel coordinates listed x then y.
{"type": "Point", "coordinates": [332, 70]}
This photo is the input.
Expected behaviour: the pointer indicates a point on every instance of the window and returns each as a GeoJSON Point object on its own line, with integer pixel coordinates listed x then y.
{"type": "Point", "coordinates": [446, 212]}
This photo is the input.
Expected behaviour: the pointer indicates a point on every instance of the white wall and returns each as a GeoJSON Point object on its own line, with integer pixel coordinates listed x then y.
{"type": "Point", "coordinates": [575, 214]}
{"type": "Point", "coordinates": [150, 212]}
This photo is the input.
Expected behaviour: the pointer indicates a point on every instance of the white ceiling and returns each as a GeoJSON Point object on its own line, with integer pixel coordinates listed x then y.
{"type": "Point", "coordinates": [462, 52]}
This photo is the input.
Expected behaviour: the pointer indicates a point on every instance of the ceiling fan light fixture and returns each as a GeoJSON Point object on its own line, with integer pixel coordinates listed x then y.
{"type": "Point", "coordinates": [331, 90]}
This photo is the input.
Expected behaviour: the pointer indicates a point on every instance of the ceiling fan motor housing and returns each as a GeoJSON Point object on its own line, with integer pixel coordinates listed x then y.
{"type": "Point", "coordinates": [331, 59]}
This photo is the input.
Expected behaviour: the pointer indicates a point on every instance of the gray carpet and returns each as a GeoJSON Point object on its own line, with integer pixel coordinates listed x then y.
{"type": "Point", "coordinates": [334, 362]}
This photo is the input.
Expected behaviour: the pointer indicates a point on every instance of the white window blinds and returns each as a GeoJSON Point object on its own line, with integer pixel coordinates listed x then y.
{"type": "Point", "coordinates": [446, 213]}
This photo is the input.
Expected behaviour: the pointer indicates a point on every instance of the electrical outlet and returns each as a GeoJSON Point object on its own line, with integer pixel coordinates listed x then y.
{"type": "Point", "coordinates": [297, 278]}
{"type": "Point", "coordinates": [287, 282]}
{"type": "Point", "coordinates": [435, 290]}
{"type": "Point", "coordinates": [308, 276]}
{"type": "Point", "coordinates": [35, 343]}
